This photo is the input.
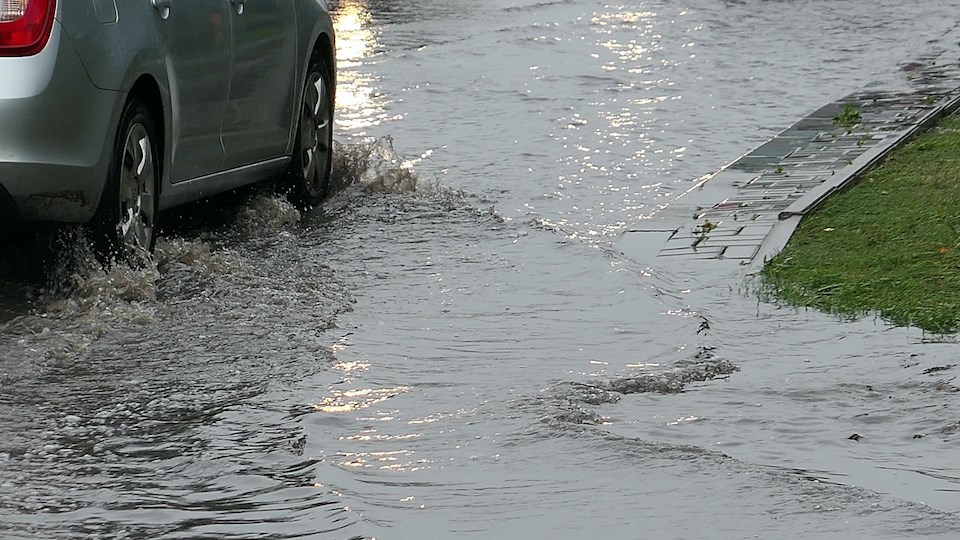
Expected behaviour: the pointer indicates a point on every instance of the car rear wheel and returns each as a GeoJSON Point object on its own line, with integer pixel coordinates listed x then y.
{"type": "Point", "coordinates": [313, 147]}
{"type": "Point", "coordinates": [125, 223]}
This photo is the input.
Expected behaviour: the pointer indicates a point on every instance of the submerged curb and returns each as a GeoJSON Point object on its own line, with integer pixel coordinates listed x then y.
{"type": "Point", "coordinates": [789, 219]}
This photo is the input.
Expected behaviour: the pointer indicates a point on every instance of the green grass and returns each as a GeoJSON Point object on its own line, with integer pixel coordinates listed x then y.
{"type": "Point", "coordinates": [889, 245]}
{"type": "Point", "coordinates": [847, 118]}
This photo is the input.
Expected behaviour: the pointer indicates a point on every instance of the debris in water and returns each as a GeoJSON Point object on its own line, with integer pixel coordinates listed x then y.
{"type": "Point", "coordinates": [938, 368]}
{"type": "Point", "coordinates": [704, 325]}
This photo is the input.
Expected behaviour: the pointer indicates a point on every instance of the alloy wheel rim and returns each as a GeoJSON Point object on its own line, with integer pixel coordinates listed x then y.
{"type": "Point", "coordinates": [138, 180]}
{"type": "Point", "coordinates": [315, 123]}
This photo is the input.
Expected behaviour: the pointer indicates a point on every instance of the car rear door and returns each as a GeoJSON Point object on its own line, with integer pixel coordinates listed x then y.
{"type": "Point", "coordinates": [195, 35]}
{"type": "Point", "coordinates": [257, 121]}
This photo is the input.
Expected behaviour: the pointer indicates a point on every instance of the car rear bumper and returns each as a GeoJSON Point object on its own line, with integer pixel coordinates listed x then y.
{"type": "Point", "coordinates": [55, 134]}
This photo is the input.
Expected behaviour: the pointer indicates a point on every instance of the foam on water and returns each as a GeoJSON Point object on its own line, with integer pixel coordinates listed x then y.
{"type": "Point", "coordinates": [568, 399]}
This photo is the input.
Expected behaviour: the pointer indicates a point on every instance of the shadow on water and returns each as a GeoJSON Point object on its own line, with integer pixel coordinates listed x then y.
{"type": "Point", "coordinates": [206, 217]}
{"type": "Point", "coordinates": [25, 254]}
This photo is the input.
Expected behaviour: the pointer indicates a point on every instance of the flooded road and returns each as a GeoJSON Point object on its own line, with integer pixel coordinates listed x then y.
{"type": "Point", "coordinates": [467, 340]}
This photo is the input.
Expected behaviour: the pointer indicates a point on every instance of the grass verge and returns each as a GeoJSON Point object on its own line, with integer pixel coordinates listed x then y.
{"type": "Point", "coordinates": [888, 245]}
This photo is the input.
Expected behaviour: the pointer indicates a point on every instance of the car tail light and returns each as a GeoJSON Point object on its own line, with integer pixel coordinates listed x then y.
{"type": "Point", "coordinates": [25, 26]}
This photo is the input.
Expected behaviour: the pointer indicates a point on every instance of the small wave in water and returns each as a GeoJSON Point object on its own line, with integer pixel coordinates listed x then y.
{"type": "Point", "coordinates": [567, 400]}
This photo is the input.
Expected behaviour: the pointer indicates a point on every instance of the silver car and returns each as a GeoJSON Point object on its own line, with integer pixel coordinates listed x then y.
{"type": "Point", "coordinates": [112, 111]}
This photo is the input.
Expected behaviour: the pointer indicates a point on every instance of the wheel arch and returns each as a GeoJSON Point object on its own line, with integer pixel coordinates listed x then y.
{"type": "Point", "coordinates": [324, 49]}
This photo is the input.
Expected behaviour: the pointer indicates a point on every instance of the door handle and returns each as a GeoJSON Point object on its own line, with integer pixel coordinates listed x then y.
{"type": "Point", "coordinates": [163, 6]}
{"type": "Point", "coordinates": [237, 5]}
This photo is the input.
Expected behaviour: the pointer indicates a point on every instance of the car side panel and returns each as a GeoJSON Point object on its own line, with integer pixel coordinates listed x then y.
{"type": "Point", "coordinates": [195, 44]}
{"type": "Point", "coordinates": [114, 53]}
{"type": "Point", "coordinates": [187, 54]}
{"type": "Point", "coordinates": [264, 74]}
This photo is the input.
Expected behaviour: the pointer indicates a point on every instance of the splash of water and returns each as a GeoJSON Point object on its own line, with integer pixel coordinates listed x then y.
{"type": "Point", "coordinates": [90, 297]}
{"type": "Point", "coordinates": [80, 285]}
{"type": "Point", "coordinates": [376, 167]}
{"type": "Point", "coordinates": [266, 214]}
{"type": "Point", "coordinates": [195, 256]}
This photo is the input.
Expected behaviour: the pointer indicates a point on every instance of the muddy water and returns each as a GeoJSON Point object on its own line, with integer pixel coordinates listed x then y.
{"type": "Point", "coordinates": [466, 340]}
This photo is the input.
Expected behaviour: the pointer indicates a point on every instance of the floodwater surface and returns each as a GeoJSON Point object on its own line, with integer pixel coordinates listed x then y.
{"type": "Point", "coordinates": [467, 340]}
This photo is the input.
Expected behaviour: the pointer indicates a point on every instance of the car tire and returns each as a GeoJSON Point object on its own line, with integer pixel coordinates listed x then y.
{"type": "Point", "coordinates": [125, 222]}
{"type": "Point", "coordinates": [309, 175]}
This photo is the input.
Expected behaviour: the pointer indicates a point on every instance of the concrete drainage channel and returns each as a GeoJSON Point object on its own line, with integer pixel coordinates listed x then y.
{"type": "Point", "coordinates": [791, 175]}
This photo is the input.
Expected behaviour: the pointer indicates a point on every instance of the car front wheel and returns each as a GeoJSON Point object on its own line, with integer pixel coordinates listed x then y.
{"type": "Point", "coordinates": [313, 147]}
